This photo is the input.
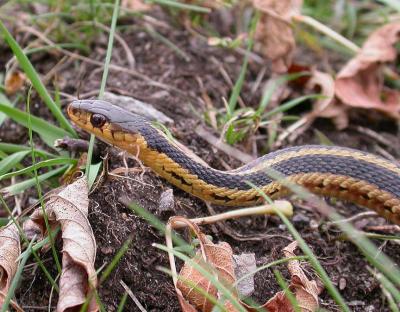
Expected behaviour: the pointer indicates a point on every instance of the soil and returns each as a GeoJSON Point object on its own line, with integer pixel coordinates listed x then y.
{"type": "Point", "coordinates": [113, 223]}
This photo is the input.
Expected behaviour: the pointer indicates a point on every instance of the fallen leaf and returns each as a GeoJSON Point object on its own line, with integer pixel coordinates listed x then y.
{"type": "Point", "coordinates": [69, 209]}
{"type": "Point", "coordinates": [219, 258]}
{"type": "Point", "coordinates": [360, 82]}
{"type": "Point", "coordinates": [274, 35]}
{"type": "Point", "coordinates": [306, 291]}
{"type": "Point", "coordinates": [14, 82]}
{"type": "Point", "coordinates": [327, 107]}
{"type": "Point", "coordinates": [215, 258]}
{"type": "Point", "coordinates": [9, 252]}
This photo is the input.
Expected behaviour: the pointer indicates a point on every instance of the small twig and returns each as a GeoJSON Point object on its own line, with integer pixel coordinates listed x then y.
{"type": "Point", "coordinates": [244, 238]}
{"type": "Point", "coordinates": [282, 205]}
{"type": "Point", "coordinates": [359, 216]}
{"type": "Point", "coordinates": [391, 228]}
{"type": "Point", "coordinates": [133, 297]}
{"type": "Point", "coordinates": [227, 149]}
{"type": "Point", "coordinates": [372, 134]}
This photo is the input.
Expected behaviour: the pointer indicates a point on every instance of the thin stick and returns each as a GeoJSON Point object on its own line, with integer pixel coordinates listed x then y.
{"type": "Point", "coordinates": [133, 297]}
{"type": "Point", "coordinates": [282, 205]}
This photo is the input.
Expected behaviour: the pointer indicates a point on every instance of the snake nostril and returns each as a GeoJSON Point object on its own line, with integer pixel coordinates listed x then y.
{"type": "Point", "coordinates": [72, 110]}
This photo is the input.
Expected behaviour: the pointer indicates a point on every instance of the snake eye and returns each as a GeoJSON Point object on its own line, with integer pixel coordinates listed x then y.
{"type": "Point", "coordinates": [98, 120]}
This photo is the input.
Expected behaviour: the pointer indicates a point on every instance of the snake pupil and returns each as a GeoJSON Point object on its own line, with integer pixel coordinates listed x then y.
{"type": "Point", "coordinates": [98, 120]}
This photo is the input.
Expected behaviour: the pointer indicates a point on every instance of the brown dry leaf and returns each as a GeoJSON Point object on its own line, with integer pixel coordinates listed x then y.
{"type": "Point", "coordinates": [274, 35]}
{"type": "Point", "coordinates": [360, 82]}
{"type": "Point", "coordinates": [136, 5]}
{"type": "Point", "coordinates": [14, 82]}
{"type": "Point", "coordinates": [215, 258]}
{"type": "Point", "coordinates": [218, 257]}
{"type": "Point", "coordinates": [69, 209]}
{"type": "Point", "coordinates": [10, 250]}
{"type": "Point", "coordinates": [327, 107]}
{"type": "Point", "coordinates": [306, 291]}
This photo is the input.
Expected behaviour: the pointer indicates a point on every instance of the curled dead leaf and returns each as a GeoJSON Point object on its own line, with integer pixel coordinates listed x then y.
{"type": "Point", "coordinates": [69, 209]}
{"type": "Point", "coordinates": [14, 82]}
{"type": "Point", "coordinates": [360, 83]}
{"type": "Point", "coordinates": [9, 252]}
{"type": "Point", "coordinates": [306, 291]}
{"type": "Point", "coordinates": [218, 260]}
{"type": "Point", "coordinates": [274, 35]}
{"type": "Point", "coordinates": [327, 107]}
{"type": "Point", "coordinates": [215, 258]}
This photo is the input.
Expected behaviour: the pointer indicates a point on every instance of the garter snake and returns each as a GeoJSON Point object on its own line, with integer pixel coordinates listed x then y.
{"type": "Point", "coordinates": [359, 177]}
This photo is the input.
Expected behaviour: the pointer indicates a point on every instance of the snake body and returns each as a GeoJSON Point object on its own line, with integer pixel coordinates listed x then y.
{"type": "Point", "coordinates": [359, 177]}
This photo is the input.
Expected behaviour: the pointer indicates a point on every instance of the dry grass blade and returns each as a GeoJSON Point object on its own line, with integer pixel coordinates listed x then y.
{"type": "Point", "coordinates": [9, 252]}
{"type": "Point", "coordinates": [69, 208]}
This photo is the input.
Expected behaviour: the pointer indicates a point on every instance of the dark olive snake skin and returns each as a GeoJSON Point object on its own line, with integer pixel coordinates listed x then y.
{"type": "Point", "coordinates": [348, 174]}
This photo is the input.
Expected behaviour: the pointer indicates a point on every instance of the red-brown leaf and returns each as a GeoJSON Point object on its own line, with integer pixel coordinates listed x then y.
{"type": "Point", "coordinates": [360, 82]}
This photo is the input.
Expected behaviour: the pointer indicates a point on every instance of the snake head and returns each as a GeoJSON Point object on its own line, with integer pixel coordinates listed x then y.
{"type": "Point", "coordinates": [109, 122]}
{"type": "Point", "coordinates": [90, 114]}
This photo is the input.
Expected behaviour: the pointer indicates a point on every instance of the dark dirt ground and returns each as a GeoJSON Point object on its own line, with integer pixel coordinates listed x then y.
{"type": "Point", "coordinates": [113, 223]}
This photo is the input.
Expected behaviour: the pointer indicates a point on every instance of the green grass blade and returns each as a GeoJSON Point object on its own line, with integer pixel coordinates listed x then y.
{"type": "Point", "coordinates": [5, 101]}
{"type": "Point", "coordinates": [122, 302]}
{"type": "Point", "coordinates": [375, 256]}
{"type": "Point", "coordinates": [121, 252]}
{"type": "Point", "coordinates": [14, 148]}
{"type": "Point", "coordinates": [208, 274]}
{"type": "Point", "coordinates": [268, 265]}
{"type": "Point", "coordinates": [39, 245]}
{"type": "Point", "coordinates": [285, 287]}
{"type": "Point", "coordinates": [233, 99]}
{"type": "Point", "coordinates": [104, 77]}
{"type": "Point", "coordinates": [307, 250]}
{"type": "Point", "coordinates": [48, 132]}
{"type": "Point", "coordinates": [11, 161]}
{"type": "Point", "coordinates": [93, 172]}
{"type": "Point", "coordinates": [36, 166]}
{"type": "Point", "coordinates": [267, 94]}
{"type": "Point", "coordinates": [33, 76]}
{"type": "Point", "coordinates": [22, 186]}
{"type": "Point", "coordinates": [292, 103]}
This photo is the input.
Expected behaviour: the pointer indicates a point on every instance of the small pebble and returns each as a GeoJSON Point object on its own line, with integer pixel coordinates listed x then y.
{"type": "Point", "coordinates": [167, 202]}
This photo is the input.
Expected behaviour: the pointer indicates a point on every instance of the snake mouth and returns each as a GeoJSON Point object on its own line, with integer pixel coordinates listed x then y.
{"type": "Point", "coordinates": [77, 115]}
